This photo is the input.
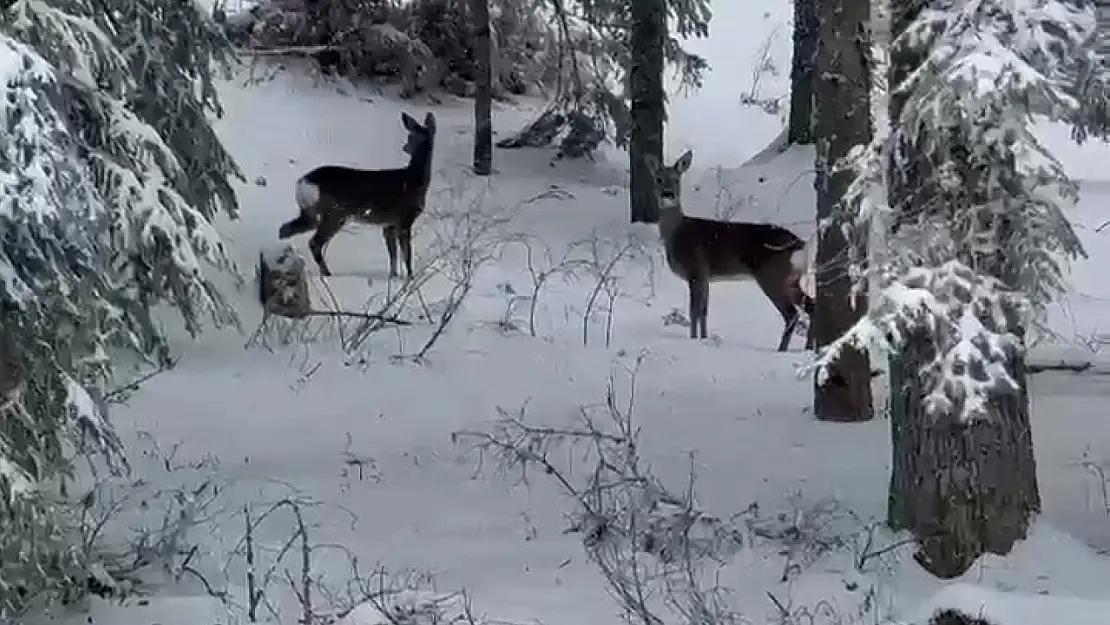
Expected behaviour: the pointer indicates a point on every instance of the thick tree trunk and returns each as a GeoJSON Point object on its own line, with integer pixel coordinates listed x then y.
{"type": "Point", "coordinates": [843, 121]}
{"type": "Point", "coordinates": [802, 75]}
{"type": "Point", "coordinates": [649, 29]}
{"type": "Point", "coordinates": [963, 490]}
{"type": "Point", "coordinates": [483, 96]}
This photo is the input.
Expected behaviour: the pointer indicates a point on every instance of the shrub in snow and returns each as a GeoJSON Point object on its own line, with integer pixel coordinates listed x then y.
{"type": "Point", "coordinates": [575, 53]}
{"type": "Point", "coordinates": [955, 617]}
{"type": "Point", "coordinates": [427, 43]}
{"type": "Point", "coordinates": [110, 177]}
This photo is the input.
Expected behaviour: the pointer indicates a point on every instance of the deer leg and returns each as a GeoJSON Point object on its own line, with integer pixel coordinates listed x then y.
{"type": "Point", "coordinates": [699, 293]}
{"type": "Point", "coordinates": [389, 233]}
{"type": "Point", "coordinates": [703, 310]}
{"type": "Point", "coordinates": [405, 237]}
{"type": "Point", "coordinates": [325, 231]}
{"type": "Point", "coordinates": [776, 290]}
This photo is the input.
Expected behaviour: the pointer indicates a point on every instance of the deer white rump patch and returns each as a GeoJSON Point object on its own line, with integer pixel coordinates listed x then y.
{"type": "Point", "coordinates": [307, 195]}
{"type": "Point", "coordinates": [805, 263]}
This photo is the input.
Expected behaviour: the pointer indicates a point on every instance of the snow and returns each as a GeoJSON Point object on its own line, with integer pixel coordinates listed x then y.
{"type": "Point", "coordinates": [364, 439]}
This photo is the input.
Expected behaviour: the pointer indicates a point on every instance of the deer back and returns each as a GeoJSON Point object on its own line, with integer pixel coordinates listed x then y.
{"type": "Point", "coordinates": [721, 250]}
{"type": "Point", "coordinates": [377, 196]}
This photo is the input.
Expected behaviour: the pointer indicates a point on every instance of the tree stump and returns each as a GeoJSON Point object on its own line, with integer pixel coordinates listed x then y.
{"type": "Point", "coordinates": [283, 283]}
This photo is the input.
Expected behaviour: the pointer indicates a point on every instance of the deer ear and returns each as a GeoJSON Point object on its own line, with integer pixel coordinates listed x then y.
{"type": "Point", "coordinates": [652, 163]}
{"type": "Point", "coordinates": [408, 122]}
{"type": "Point", "coordinates": [683, 163]}
{"type": "Point", "coordinates": [430, 122]}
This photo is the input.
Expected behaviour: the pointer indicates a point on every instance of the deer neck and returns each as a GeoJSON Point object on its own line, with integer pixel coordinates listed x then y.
{"type": "Point", "coordinates": [669, 219]}
{"type": "Point", "coordinates": [421, 165]}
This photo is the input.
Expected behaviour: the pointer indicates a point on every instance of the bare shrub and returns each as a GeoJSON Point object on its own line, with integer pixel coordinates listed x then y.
{"type": "Point", "coordinates": [764, 66]}
{"type": "Point", "coordinates": [654, 546]}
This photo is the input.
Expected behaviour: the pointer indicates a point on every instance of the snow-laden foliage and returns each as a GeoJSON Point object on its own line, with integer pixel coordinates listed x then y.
{"type": "Point", "coordinates": [971, 314]}
{"type": "Point", "coordinates": [110, 176]}
{"type": "Point", "coordinates": [980, 239]}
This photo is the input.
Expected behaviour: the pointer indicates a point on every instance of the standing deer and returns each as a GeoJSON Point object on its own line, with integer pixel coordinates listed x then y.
{"type": "Point", "coordinates": [331, 195]}
{"type": "Point", "coordinates": [702, 251]}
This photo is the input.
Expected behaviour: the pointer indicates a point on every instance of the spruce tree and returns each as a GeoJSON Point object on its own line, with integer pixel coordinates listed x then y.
{"type": "Point", "coordinates": [110, 179]}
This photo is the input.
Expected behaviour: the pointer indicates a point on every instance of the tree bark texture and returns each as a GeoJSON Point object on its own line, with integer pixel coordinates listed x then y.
{"type": "Point", "coordinates": [648, 36]}
{"type": "Point", "coordinates": [962, 489]}
{"type": "Point", "coordinates": [843, 120]}
{"type": "Point", "coordinates": [802, 74]}
{"type": "Point", "coordinates": [483, 95]}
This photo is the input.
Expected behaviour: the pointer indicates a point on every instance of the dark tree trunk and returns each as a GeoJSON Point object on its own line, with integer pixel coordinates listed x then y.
{"type": "Point", "coordinates": [483, 95]}
{"type": "Point", "coordinates": [802, 76]}
{"type": "Point", "coordinates": [842, 109]}
{"type": "Point", "coordinates": [963, 490]}
{"type": "Point", "coordinates": [649, 29]}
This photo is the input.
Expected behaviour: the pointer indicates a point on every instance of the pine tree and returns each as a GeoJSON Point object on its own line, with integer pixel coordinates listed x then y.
{"type": "Point", "coordinates": [483, 95]}
{"type": "Point", "coordinates": [648, 104]}
{"type": "Point", "coordinates": [979, 235]}
{"type": "Point", "coordinates": [803, 78]}
{"type": "Point", "coordinates": [110, 178]}
{"type": "Point", "coordinates": [843, 121]}
{"type": "Point", "coordinates": [596, 39]}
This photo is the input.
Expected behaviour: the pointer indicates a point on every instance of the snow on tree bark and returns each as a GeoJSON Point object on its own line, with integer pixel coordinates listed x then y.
{"type": "Point", "coordinates": [980, 239]}
{"type": "Point", "coordinates": [483, 95]}
{"type": "Point", "coordinates": [843, 121]}
{"type": "Point", "coordinates": [649, 32]}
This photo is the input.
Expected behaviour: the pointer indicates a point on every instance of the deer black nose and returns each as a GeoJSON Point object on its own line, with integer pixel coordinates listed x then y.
{"type": "Point", "coordinates": [667, 195]}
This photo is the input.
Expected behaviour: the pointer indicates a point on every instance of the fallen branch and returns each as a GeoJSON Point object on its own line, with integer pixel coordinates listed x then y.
{"type": "Point", "coordinates": [347, 314]}
{"type": "Point", "coordinates": [119, 394]}
{"type": "Point", "coordinates": [1074, 367]}
{"type": "Point", "coordinates": [291, 50]}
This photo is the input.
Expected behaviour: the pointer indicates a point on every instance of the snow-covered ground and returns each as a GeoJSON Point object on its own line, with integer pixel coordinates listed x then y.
{"type": "Point", "coordinates": [367, 439]}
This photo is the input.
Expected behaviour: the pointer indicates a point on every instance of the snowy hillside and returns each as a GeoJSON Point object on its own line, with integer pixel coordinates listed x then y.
{"type": "Point", "coordinates": [363, 441]}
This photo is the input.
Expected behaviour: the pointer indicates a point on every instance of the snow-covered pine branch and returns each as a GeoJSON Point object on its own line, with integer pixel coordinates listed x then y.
{"type": "Point", "coordinates": [110, 177]}
{"type": "Point", "coordinates": [968, 313]}
{"type": "Point", "coordinates": [983, 235]}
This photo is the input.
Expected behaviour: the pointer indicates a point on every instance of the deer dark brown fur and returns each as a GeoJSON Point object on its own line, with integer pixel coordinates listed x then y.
{"type": "Point", "coordinates": [330, 196]}
{"type": "Point", "coordinates": [702, 251]}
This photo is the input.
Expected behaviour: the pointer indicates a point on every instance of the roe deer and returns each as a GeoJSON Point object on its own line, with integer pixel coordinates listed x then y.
{"type": "Point", "coordinates": [702, 251]}
{"type": "Point", "coordinates": [331, 195]}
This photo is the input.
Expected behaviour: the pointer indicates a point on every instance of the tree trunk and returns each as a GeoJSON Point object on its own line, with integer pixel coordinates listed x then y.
{"type": "Point", "coordinates": [483, 95]}
{"type": "Point", "coordinates": [963, 490]}
{"type": "Point", "coordinates": [802, 75]}
{"type": "Point", "coordinates": [842, 109]}
{"type": "Point", "coordinates": [649, 28]}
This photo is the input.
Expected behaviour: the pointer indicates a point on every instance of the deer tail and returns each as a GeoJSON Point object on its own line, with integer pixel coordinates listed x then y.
{"type": "Point", "coordinates": [307, 194]}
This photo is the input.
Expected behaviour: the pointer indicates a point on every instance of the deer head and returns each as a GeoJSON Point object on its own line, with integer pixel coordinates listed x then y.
{"type": "Point", "coordinates": [668, 180]}
{"type": "Point", "coordinates": [420, 136]}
